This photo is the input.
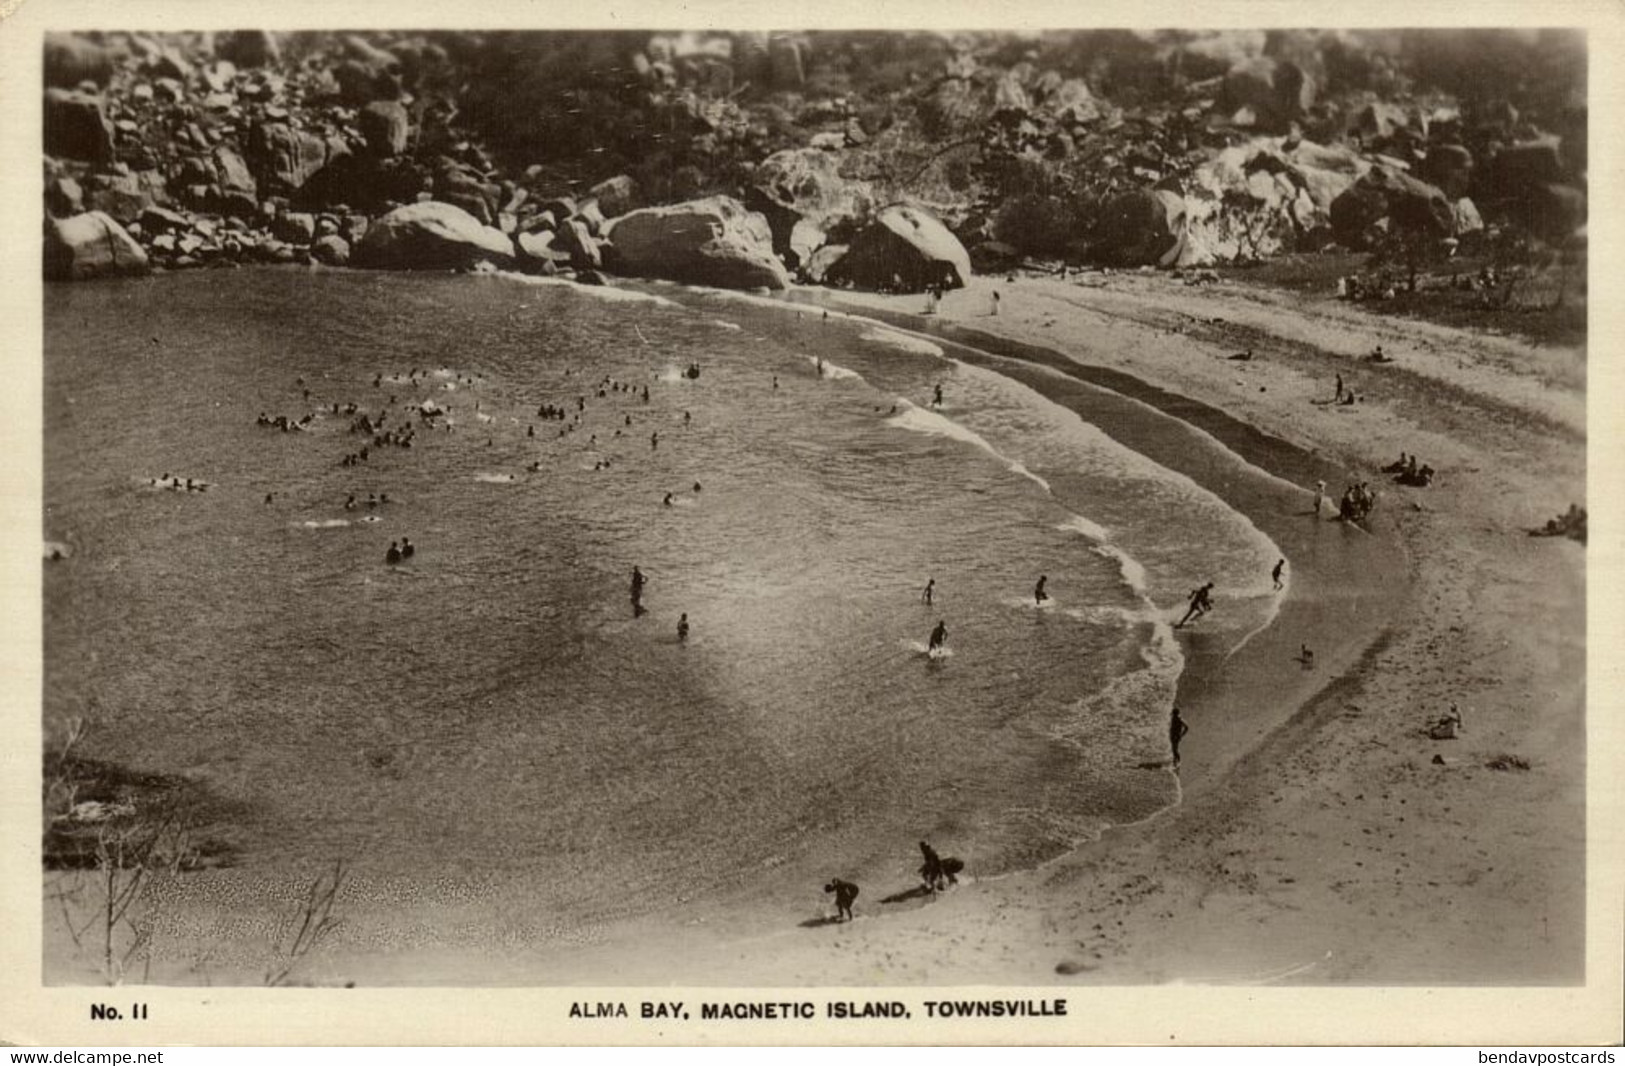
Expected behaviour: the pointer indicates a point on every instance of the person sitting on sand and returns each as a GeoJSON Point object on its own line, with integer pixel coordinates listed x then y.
{"type": "Point", "coordinates": [1039, 595]}
{"type": "Point", "coordinates": [1176, 732]}
{"type": "Point", "coordinates": [1275, 575]}
{"type": "Point", "coordinates": [939, 636]}
{"type": "Point", "coordinates": [845, 893]}
{"type": "Point", "coordinates": [931, 868]}
{"type": "Point", "coordinates": [929, 590]}
{"type": "Point", "coordinates": [1448, 727]}
{"type": "Point", "coordinates": [394, 553]}
{"type": "Point", "coordinates": [407, 550]}
{"type": "Point", "coordinates": [682, 628]}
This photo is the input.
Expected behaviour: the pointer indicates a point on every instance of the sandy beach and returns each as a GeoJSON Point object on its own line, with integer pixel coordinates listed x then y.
{"type": "Point", "coordinates": [1323, 837]}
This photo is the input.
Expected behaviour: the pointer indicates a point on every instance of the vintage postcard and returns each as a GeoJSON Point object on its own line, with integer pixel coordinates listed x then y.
{"type": "Point", "coordinates": [734, 525]}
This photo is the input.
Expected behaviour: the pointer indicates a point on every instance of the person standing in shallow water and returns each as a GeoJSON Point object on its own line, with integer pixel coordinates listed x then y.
{"type": "Point", "coordinates": [939, 636]}
{"type": "Point", "coordinates": [1176, 732]}
{"type": "Point", "coordinates": [929, 591]}
{"type": "Point", "coordinates": [1039, 595]}
{"type": "Point", "coordinates": [1275, 575]}
{"type": "Point", "coordinates": [682, 628]}
{"type": "Point", "coordinates": [637, 591]}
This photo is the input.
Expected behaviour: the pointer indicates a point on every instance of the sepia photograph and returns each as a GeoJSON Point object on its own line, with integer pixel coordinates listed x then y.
{"type": "Point", "coordinates": [753, 511]}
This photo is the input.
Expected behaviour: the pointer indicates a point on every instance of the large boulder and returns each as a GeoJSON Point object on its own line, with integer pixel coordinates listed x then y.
{"type": "Point", "coordinates": [385, 125]}
{"type": "Point", "coordinates": [1450, 167]}
{"type": "Point", "coordinates": [283, 158]}
{"type": "Point", "coordinates": [248, 48]}
{"type": "Point", "coordinates": [805, 184]}
{"type": "Point", "coordinates": [76, 126]}
{"type": "Point", "coordinates": [1142, 227]}
{"type": "Point", "coordinates": [125, 196]}
{"type": "Point", "coordinates": [90, 245]}
{"type": "Point", "coordinates": [704, 242]}
{"type": "Point", "coordinates": [63, 197]}
{"type": "Point", "coordinates": [431, 236]}
{"type": "Point", "coordinates": [1276, 91]}
{"type": "Point", "coordinates": [71, 59]}
{"type": "Point", "coordinates": [905, 249]}
{"type": "Point", "coordinates": [616, 196]}
{"type": "Point", "coordinates": [1517, 169]}
{"type": "Point", "coordinates": [1385, 196]}
{"type": "Point", "coordinates": [1554, 212]}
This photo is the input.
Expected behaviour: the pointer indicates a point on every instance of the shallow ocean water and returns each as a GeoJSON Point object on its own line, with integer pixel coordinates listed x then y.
{"type": "Point", "coordinates": [491, 713]}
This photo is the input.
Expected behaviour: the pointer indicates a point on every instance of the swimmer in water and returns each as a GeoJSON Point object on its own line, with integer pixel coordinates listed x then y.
{"type": "Point", "coordinates": [667, 500]}
{"type": "Point", "coordinates": [939, 636]}
{"type": "Point", "coordinates": [775, 381]}
{"type": "Point", "coordinates": [696, 486]}
{"type": "Point", "coordinates": [1039, 595]}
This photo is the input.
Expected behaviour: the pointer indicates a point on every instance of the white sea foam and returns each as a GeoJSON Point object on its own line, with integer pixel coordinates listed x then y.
{"type": "Point", "coordinates": [611, 293]}
{"type": "Point", "coordinates": [902, 341]}
{"type": "Point", "coordinates": [495, 479]}
{"type": "Point", "coordinates": [720, 324]}
{"type": "Point", "coordinates": [912, 416]}
{"type": "Point", "coordinates": [833, 372]}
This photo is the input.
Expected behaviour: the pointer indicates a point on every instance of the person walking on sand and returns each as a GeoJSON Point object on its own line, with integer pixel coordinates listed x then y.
{"type": "Point", "coordinates": [1275, 575]}
{"type": "Point", "coordinates": [931, 868]}
{"type": "Point", "coordinates": [930, 590]}
{"type": "Point", "coordinates": [1200, 604]}
{"type": "Point", "coordinates": [1176, 732]}
{"type": "Point", "coordinates": [939, 637]}
{"type": "Point", "coordinates": [845, 893]}
{"type": "Point", "coordinates": [1039, 595]}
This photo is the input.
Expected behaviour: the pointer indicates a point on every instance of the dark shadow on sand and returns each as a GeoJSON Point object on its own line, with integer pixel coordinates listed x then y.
{"type": "Point", "coordinates": [917, 892]}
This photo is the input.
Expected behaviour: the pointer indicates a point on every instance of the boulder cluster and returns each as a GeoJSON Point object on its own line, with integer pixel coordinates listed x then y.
{"type": "Point", "coordinates": [197, 150]}
{"type": "Point", "coordinates": [389, 151]}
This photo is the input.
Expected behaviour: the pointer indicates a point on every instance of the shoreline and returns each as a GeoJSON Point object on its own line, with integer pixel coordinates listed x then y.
{"type": "Point", "coordinates": [1007, 930]}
